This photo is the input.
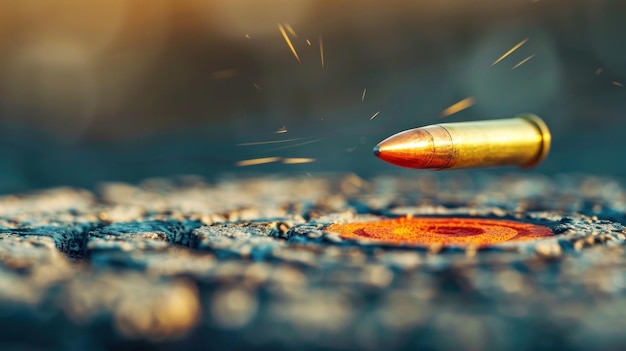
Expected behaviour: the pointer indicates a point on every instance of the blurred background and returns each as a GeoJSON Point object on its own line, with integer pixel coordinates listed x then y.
{"type": "Point", "coordinates": [104, 90]}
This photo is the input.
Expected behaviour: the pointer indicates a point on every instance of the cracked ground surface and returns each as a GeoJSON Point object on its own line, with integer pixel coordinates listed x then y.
{"type": "Point", "coordinates": [247, 263]}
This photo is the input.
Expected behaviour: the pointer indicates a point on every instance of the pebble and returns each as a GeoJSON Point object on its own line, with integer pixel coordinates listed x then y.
{"type": "Point", "coordinates": [233, 308]}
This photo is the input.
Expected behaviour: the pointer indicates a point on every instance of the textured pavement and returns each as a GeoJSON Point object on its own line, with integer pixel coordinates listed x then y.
{"type": "Point", "coordinates": [245, 263]}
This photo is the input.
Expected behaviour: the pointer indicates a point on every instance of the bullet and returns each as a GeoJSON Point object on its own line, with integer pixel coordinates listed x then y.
{"type": "Point", "coordinates": [522, 141]}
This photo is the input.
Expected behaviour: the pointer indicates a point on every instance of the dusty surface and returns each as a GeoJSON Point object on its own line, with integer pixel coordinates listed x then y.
{"type": "Point", "coordinates": [244, 263]}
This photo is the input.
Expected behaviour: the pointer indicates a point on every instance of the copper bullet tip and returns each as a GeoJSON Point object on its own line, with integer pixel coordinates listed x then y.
{"type": "Point", "coordinates": [523, 141]}
{"type": "Point", "coordinates": [376, 151]}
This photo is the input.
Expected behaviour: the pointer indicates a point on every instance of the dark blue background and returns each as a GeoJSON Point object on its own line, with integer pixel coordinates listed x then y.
{"type": "Point", "coordinates": [182, 117]}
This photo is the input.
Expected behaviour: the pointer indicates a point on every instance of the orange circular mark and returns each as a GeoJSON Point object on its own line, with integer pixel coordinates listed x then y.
{"type": "Point", "coordinates": [445, 231]}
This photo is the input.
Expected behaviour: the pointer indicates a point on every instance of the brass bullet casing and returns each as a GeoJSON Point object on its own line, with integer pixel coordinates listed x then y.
{"type": "Point", "coordinates": [522, 141]}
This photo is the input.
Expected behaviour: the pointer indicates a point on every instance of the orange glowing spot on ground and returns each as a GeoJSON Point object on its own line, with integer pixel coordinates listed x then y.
{"type": "Point", "coordinates": [458, 107]}
{"type": "Point", "coordinates": [474, 232]}
{"type": "Point", "coordinates": [288, 41]}
{"type": "Point", "coordinates": [517, 46]}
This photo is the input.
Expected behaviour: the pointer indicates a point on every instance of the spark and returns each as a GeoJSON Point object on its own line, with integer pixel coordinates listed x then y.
{"type": "Point", "coordinates": [224, 73]}
{"type": "Point", "coordinates": [523, 61]}
{"type": "Point", "coordinates": [321, 51]}
{"type": "Point", "coordinates": [363, 96]}
{"type": "Point", "coordinates": [459, 106]}
{"type": "Point", "coordinates": [374, 115]}
{"type": "Point", "coordinates": [599, 70]}
{"type": "Point", "coordinates": [281, 130]}
{"type": "Point", "coordinates": [296, 145]}
{"type": "Point", "coordinates": [297, 160]}
{"type": "Point", "coordinates": [510, 51]}
{"type": "Point", "coordinates": [617, 84]}
{"type": "Point", "coordinates": [308, 42]}
{"type": "Point", "coordinates": [257, 161]}
{"type": "Point", "coordinates": [269, 142]}
{"type": "Point", "coordinates": [256, 86]}
{"type": "Point", "coordinates": [291, 31]}
{"type": "Point", "coordinates": [247, 36]}
{"type": "Point", "coordinates": [286, 37]}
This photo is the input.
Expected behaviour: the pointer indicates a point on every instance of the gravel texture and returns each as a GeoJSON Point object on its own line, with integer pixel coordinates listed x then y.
{"type": "Point", "coordinates": [245, 263]}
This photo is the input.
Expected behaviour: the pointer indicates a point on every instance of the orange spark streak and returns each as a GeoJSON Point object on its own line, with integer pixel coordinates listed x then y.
{"type": "Point", "coordinates": [617, 84]}
{"type": "Point", "coordinates": [297, 160]}
{"type": "Point", "coordinates": [257, 161]}
{"type": "Point", "coordinates": [281, 130]}
{"type": "Point", "coordinates": [599, 70]}
{"type": "Point", "coordinates": [224, 73]}
{"type": "Point", "coordinates": [308, 42]}
{"type": "Point", "coordinates": [268, 142]}
{"type": "Point", "coordinates": [459, 106]}
{"type": "Point", "coordinates": [256, 86]}
{"type": "Point", "coordinates": [363, 96]}
{"type": "Point", "coordinates": [291, 31]}
{"type": "Point", "coordinates": [321, 51]}
{"type": "Point", "coordinates": [523, 61]}
{"type": "Point", "coordinates": [296, 145]}
{"type": "Point", "coordinates": [286, 37]}
{"type": "Point", "coordinates": [374, 115]}
{"type": "Point", "coordinates": [510, 51]}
